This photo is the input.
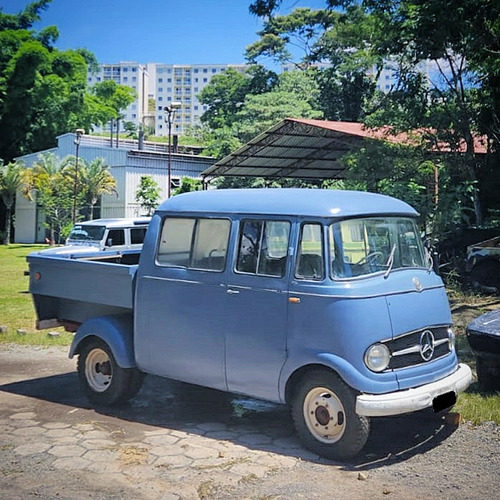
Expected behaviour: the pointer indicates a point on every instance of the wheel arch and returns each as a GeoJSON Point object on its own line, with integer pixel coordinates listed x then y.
{"type": "Point", "coordinates": [116, 331]}
{"type": "Point", "coordinates": [300, 373]}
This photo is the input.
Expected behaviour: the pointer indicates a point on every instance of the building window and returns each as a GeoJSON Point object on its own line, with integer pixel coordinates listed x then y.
{"type": "Point", "coordinates": [205, 70]}
{"type": "Point", "coordinates": [169, 80]}
{"type": "Point", "coordinates": [195, 70]}
{"type": "Point", "coordinates": [205, 80]}
{"type": "Point", "coordinates": [134, 70]}
{"type": "Point", "coordinates": [160, 98]}
{"type": "Point", "coordinates": [160, 89]}
{"type": "Point", "coordinates": [214, 70]}
{"type": "Point", "coordinates": [160, 80]}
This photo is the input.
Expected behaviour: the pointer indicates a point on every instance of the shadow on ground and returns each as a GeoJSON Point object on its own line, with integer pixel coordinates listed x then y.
{"type": "Point", "coordinates": [172, 405]}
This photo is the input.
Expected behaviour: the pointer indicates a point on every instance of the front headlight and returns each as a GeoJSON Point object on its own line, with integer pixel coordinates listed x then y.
{"type": "Point", "coordinates": [451, 339]}
{"type": "Point", "coordinates": [377, 357]}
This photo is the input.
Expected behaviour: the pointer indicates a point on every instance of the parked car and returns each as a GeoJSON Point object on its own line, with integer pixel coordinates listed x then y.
{"type": "Point", "coordinates": [104, 235]}
{"type": "Point", "coordinates": [483, 335]}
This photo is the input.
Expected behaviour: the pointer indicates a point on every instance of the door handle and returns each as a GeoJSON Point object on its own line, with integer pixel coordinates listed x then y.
{"type": "Point", "coordinates": [232, 292]}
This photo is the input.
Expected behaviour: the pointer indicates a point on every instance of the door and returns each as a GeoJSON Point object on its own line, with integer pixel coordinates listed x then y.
{"type": "Point", "coordinates": [257, 306]}
{"type": "Point", "coordinates": [181, 303]}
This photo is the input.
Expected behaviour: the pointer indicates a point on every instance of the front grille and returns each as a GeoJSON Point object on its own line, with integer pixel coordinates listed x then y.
{"type": "Point", "coordinates": [406, 350]}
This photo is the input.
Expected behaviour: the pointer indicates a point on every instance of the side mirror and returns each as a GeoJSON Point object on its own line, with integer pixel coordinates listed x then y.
{"type": "Point", "coordinates": [109, 242]}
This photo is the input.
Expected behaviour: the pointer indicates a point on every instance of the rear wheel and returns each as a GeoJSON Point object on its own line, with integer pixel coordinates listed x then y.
{"type": "Point", "coordinates": [323, 410]}
{"type": "Point", "coordinates": [102, 380]}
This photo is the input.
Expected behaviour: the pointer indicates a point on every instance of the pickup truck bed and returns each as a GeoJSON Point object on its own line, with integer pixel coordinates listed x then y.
{"type": "Point", "coordinates": [109, 281]}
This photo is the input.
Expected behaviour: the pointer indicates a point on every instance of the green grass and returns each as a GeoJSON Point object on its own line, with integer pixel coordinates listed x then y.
{"type": "Point", "coordinates": [16, 307]}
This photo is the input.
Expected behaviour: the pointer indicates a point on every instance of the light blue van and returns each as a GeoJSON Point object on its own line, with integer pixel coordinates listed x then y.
{"type": "Point", "coordinates": [325, 300]}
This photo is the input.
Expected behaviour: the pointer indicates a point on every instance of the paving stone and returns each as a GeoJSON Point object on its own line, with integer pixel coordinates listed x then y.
{"type": "Point", "coordinates": [166, 451]}
{"type": "Point", "coordinates": [97, 434]}
{"type": "Point", "coordinates": [103, 467]}
{"type": "Point", "coordinates": [173, 462]}
{"type": "Point", "coordinates": [61, 433]}
{"type": "Point", "coordinates": [100, 455]}
{"type": "Point", "coordinates": [56, 425]}
{"type": "Point", "coordinates": [211, 426]}
{"type": "Point", "coordinates": [24, 423]}
{"type": "Point", "coordinates": [67, 451]}
{"type": "Point", "coordinates": [71, 463]}
{"type": "Point", "coordinates": [66, 440]}
{"type": "Point", "coordinates": [32, 448]}
{"type": "Point", "coordinates": [161, 440]}
{"type": "Point", "coordinates": [247, 470]}
{"type": "Point", "coordinates": [97, 444]}
{"type": "Point", "coordinates": [222, 434]}
{"type": "Point", "coordinates": [200, 452]}
{"type": "Point", "coordinates": [23, 416]}
{"type": "Point", "coordinates": [254, 439]}
{"type": "Point", "coordinates": [29, 431]}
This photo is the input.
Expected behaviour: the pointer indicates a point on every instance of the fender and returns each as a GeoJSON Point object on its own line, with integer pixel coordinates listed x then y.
{"type": "Point", "coordinates": [386, 382]}
{"type": "Point", "coordinates": [116, 330]}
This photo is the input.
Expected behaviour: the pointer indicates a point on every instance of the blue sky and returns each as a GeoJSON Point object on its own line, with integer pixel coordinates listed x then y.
{"type": "Point", "coordinates": [164, 31]}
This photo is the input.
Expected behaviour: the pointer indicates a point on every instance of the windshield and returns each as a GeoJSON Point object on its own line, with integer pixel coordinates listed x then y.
{"type": "Point", "coordinates": [359, 247]}
{"type": "Point", "coordinates": [81, 232]}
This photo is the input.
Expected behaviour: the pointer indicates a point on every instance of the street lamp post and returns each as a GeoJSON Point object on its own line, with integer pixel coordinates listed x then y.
{"type": "Point", "coordinates": [78, 132]}
{"type": "Point", "coordinates": [169, 118]}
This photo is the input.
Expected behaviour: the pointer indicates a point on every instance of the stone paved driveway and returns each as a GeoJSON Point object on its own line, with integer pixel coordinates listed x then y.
{"type": "Point", "coordinates": [172, 442]}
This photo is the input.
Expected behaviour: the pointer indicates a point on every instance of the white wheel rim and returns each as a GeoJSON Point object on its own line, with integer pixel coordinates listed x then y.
{"type": "Point", "coordinates": [324, 415]}
{"type": "Point", "coordinates": [98, 370]}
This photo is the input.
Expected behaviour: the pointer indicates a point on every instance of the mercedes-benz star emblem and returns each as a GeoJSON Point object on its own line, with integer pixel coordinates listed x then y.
{"type": "Point", "coordinates": [427, 345]}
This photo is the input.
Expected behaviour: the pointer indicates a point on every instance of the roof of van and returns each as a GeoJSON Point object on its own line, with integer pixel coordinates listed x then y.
{"type": "Point", "coordinates": [118, 222]}
{"type": "Point", "coordinates": [289, 201]}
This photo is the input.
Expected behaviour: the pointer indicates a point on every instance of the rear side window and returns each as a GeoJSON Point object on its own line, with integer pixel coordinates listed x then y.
{"type": "Point", "coordinates": [263, 247]}
{"type": "Point", "coordinates": [137, 235]}
{"type": "Point", "coordinates": [194, 243]}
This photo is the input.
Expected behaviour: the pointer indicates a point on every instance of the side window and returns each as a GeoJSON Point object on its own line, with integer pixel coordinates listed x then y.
{"type": "Point", "coordinates": [115, 237]}
{"type": "Point", "coordinates": [210, 244]}
{"type": "Point", "coordinates": [137, 235]}
{"type": "Point", "coordinates": [175, 242]}
{"type": "Point", "coordinates": [263, 248]}
{"type": "Point", "coordinates": [310, 258]}
{"type": "Point", "coordinates": [194, 243]}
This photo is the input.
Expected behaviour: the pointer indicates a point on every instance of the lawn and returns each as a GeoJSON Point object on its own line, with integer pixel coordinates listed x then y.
{"type": "Point", "coordinates": [17, 313]}
{"type": "Point", "coordinates": [16, 307]}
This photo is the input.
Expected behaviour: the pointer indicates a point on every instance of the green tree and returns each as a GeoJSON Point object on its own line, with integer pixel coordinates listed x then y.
{"type": "Point", "coordinates": [148, 194]}
{"type": "Point", "coordinates": [187, 185]}
{"type": "Point", "coordinates": [226, 93]}
{"type": "Point", "coordinates": [94, 180]}
{"type": "Point", "coordinates": [11, 181]}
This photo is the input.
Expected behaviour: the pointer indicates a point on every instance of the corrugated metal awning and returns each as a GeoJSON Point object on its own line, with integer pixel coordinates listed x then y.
{"type": "Point", "coordinates": [304, 149]}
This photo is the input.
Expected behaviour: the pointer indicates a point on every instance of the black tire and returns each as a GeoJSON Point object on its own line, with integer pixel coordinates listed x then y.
{"type": "Point", "coordinates": [101, 379]}
{"type": "Point", "coordinates": [488, 381]}
{"type": "Point", "coordinates": [323, 410]}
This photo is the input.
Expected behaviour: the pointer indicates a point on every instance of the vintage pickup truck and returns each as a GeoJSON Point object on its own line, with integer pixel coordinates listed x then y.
{"type": "Point", "coordinates": [321, 299]}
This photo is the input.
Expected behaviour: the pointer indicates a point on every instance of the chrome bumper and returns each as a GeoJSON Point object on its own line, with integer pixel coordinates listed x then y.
{"type": "Point", "coordinates": [409, 400]}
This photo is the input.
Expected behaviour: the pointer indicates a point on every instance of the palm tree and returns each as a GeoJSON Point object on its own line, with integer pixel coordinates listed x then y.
{"type": "Point", "coordinates": [53, 191]}
{"type": "Point", "coordinates": [97, 181]}
{"type": "Point", "coordinates": [11, 181]}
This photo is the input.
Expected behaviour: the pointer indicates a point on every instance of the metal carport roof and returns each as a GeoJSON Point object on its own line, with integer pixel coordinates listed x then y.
{"type": "Point", "coordinates": [300, 148]}
{"type": "Point", "coordinates": [295, 148]}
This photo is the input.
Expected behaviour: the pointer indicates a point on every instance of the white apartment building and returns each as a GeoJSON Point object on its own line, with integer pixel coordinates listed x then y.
{"type": "Point", "coordinates": [132, 75]}
{"type": "Point", "coordinates": [183, 83]}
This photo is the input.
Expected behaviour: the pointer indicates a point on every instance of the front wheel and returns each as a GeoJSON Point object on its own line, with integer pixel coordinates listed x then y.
{"type": "Point", "coordinates": [323, 410]}
{"type": "Point", "coordinates": [102, 380]}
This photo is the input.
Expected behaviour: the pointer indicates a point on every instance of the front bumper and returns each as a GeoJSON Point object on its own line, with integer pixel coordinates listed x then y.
{"type": "Point", "coordinates": [417, 398]}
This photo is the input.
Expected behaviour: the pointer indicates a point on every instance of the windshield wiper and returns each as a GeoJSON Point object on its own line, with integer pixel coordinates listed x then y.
{"type": "Point", "coordinates": [390, 261]}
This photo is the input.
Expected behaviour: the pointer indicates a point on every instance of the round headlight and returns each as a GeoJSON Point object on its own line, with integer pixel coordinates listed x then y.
{"type": "Point", "coordinates": [377, 357]}
{"type": "Point", "coordinates": [451, 339]}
